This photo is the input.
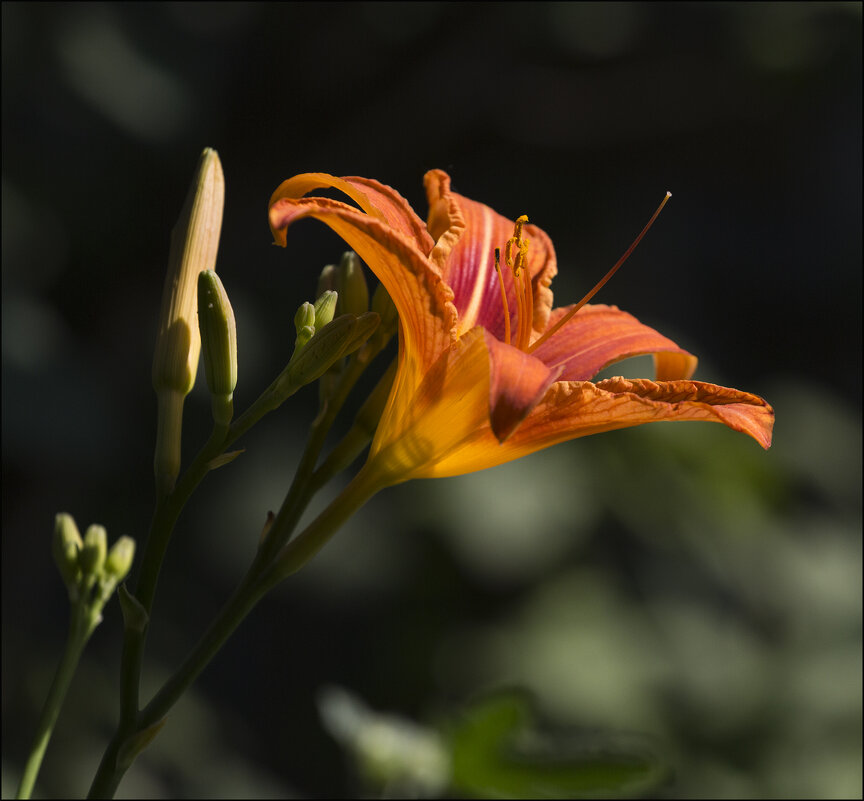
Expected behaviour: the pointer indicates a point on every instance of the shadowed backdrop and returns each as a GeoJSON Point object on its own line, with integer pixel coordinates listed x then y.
{"type": "Point", "coordinates": [671, 581]}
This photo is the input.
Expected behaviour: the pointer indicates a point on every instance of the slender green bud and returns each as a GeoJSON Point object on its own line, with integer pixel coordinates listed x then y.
{"type": "Point", "coordinates": [119, 559]}
{"type": "Point", "coordinates": [219, 344]}
{"type": "Point", "coordinates": [325, 308]}
{"type": "Point", "coordinates": [91, 557]}
{"type": "Point", "coordinates": [351, 285]}
{"type": "Point", "coordinates": [194, 242]}
{"type": "Point", "coordinates": [328, 279]}
{"type": "Point", "coordinates": [66, 546]}
{"type": "Point", "coordinates": [337, 339]}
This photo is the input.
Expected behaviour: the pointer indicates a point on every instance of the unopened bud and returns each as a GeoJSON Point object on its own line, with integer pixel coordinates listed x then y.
{"type": "Point", "coordinates": [119, 559]}
{"type": "Point", "coordinates": [342, 336]}
{"type": "Point", "coordinates": [91, 557]}
{"type": "Point", "coordinates": [66, 546]}
{"type": "Point", "coordinates": [325, 308]}
{"type": "Point", "coordinates": [194, 242]}
{"type": "Point", "coordinates": [304, 322]}
{"type": "Point", "coordinates": [328, 279]}
{"type": "Point", "coordinates": [351, 285]}
{"type": "Point", "coordinates": [219, 344]}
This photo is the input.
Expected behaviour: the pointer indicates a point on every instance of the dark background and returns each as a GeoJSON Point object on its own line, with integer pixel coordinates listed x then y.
{"type": "Point", "coordinates": [673, 581]}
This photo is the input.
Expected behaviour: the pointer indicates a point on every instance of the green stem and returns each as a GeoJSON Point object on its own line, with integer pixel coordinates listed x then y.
{"type": "Point", "coordinates": [257, 582]}
{"type": "Point", "coordinates": [79, 633]}
{"type": "Point", "coordinates": [305, 484]}
{"type": "Point", "coordinates": [112, 769]}
{"type": "Point", "coordinates": [306, 544]}
{"type": "Point", "coordinates": [110, 772]}
{"type": "Point", "coordinates": [168, 509]}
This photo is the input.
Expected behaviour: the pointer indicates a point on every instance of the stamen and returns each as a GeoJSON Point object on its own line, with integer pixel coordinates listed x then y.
{"type": "Point", "coordinates": [520, 306]}
{"type": "Point", "coordinates": [599, 285]}
{"type": "Point", "coordinates": [526, 296]}
{"type": "Point", "coordinates": [503, 296]}
{"type": "Point", "coordinates": [521, 283]}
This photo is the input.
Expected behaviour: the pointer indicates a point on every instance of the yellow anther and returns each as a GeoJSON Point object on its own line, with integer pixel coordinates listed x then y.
{"type": "Point", "coordinates": [517, 240]}
{"type": "Point", "coordinates": [522, 288]}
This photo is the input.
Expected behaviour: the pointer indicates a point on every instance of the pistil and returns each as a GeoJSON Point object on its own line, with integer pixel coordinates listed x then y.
{"type": "Point", "coordinates": [599, 285]}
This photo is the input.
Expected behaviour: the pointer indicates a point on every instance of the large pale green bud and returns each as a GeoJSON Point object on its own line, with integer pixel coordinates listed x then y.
{"type": "Point", "coordinates": [219, 344]}
{"type": "Point", "coordinates": [194, 243]}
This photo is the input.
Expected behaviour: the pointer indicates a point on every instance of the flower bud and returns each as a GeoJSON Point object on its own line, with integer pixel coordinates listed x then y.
{"type": "Point", "coordinates": [91, 557]}
{"type": "Point", "coordinates": [194, 242]}
{"type": "Point", "coordinates": [219, 344]}
{"type": "Point", "coordinates": [66, 546]}
{"type": "Point", "coordinates": [341, 337]}
{"type": "Point", "coordinates": [351, 285]}
{"type": "Point", "coordinates": [304, 322]}
{"type": "Point", "coordinates": [328, 279]}
{"type": "Point", "coordinates": [325, 308]}
{"type": "Point", "coordinates": [119, 559]}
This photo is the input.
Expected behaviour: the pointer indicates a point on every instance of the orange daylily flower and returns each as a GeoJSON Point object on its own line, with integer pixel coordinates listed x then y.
{"type": "Point", "coordinates": [487, 370]}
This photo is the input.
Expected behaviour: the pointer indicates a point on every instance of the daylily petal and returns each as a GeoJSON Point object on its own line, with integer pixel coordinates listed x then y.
{"type": "Point", "coordinates": [599, 335]}
{"type": "Point", "coordinates": [466, 395]}
{"type": "Point", "coordinates": [517, 383]}
{"type": "Point", "coordinates": [396, 210]}
{"type": "Point", "coordinates": [306, 182]}
{"type": "Point", "coordinates": [451, 404]}
{"type": "Point", "coordinates": [574, 409]}
{"type": "Point", "coordinates": [426, 314]}
{"type": "Point", "coordinates": [468, 260]}
{"type": "Point", "coordinates": [373, 197]}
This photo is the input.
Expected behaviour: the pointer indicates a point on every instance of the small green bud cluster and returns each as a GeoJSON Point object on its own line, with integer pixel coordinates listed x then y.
{"type": "Point", "coordinates": [311, 318]}
{"type": "Point", "coordinates": [90, 570]}
{"type": "Point", "coordinates": [337, 339]}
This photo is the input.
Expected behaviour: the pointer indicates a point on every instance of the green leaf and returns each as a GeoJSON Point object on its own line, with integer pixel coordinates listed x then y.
{"type": "Point", "coordinates": [223, 459]}
{"type": "Point", "coordinates": [497, 754]}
